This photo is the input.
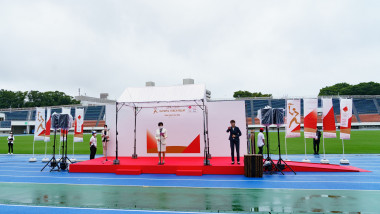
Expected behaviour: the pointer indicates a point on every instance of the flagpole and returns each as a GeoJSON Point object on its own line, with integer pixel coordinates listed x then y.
{"type": "Point", "coordinates": [324, 160]}
{"type": "Point", "coordinates": [344, 160]}
{"type": "Point", "coordinates": [286, 116]}
{"type": "Point", "coordinates": [305, 160]}
{"type": "Point", "coordinates": [33, 159]}
{"type": "Point", "coordinates": [286, 150]}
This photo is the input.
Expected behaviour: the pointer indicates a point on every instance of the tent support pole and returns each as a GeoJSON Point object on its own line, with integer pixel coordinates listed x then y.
{"type": "Point", "coordinates": [134, 155]}
{"type": "Point", "coordinates": [205, 135]}
{"type": "Point", "coordinates": [117, 161]}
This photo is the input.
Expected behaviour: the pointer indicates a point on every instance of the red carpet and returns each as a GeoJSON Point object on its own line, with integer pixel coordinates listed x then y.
{"type": "Point", "coordinates": [190, 166]}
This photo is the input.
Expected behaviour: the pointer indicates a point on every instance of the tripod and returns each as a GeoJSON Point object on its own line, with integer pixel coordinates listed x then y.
{"type": "Point", "coordinates": [63, 163]}
{"type": "Point", "coordinates": [281, 164]}
{"type": "Point", "coordinates": [53, 162]}
{"type": "Point", "coordinates": [269, 165]}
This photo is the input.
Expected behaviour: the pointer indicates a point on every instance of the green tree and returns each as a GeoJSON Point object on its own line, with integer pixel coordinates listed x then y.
{"type": "Point", "coordinates": [21, 99]}
{"type": "Point", "coordinates": [10, 99]}
{"type": "Point", "coordinates": [365, 88]}
{"type": "Point", "coordinates": [240, 94]}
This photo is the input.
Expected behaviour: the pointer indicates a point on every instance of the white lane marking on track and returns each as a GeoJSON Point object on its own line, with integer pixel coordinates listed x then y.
{"type": "Point", "coordinates": [100, 209]}
{"type": "Point", "coordinates": [150, 179]}
{"type": "Point", "coordinates": [190, 187]}
{"type": "Point", "coordinates": [206, 179]}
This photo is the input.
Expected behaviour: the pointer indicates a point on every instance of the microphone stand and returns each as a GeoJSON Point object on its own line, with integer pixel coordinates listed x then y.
{"type": "Point", "coordinates": [159, 152]}
{"type": "Point", "coordinates": [106, 143]}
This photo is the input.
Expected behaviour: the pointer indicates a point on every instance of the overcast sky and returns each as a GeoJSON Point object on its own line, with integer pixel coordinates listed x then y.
{"type": "Point", "coordinates": [287, 48]}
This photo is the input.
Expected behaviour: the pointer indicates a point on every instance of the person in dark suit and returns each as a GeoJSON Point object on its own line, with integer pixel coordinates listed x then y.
{"type": "Point", "coordinates": [235, 133]}
{"type": "Point", "coordinates": [317, 141]}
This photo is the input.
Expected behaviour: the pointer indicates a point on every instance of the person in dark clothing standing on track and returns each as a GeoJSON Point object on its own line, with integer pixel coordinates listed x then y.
{"type": "Point", "coordinates": [317, 141]}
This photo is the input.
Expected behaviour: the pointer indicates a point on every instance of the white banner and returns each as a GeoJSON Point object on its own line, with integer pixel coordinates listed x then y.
{"type": "Point", "coordinates": [329, 129]}
{"type": "Point", "coordinates": [48, 125]}
{"type": "Point", "coordinates": [310, 117]}
{"type": "Point", "coordinates": [78, 125]}
{"type": "Point", "coordinates": [39, 128]}
{"type": "Point", "coordinates": [293, 118]}
{"type": "Point", "coordinates": [345, 118]}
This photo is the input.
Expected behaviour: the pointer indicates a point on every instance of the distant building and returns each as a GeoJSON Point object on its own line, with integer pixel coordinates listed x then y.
{"type": "Point", "coordinates": [102, 100]}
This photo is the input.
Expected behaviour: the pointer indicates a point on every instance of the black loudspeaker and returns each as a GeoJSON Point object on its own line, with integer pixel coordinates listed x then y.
{"type": "Point", "coordinates": [64, 120]}
{"type": "Point", "coordinates": [278, 116]}
{"type": "Point", "coordinates": [266, 116]}
{"type": "Point", "coordinates": [55, 121]}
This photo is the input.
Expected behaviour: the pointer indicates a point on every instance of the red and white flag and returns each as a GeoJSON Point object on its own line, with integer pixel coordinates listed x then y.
{"type": "Point", "coordinates": [78, 125]}
{"type": "Point", "coordinates": [293, 118]}
{"type": "Point", "coordinates": [329, 128]}
{"type": "Point", "coordinates": [310, 107]}
{"type": "Point", "coordinates": [345, 118]}
{"type": "Point", "coordinates": [48, 125]}
{"type": "Point", "coordinates": [39, 130]}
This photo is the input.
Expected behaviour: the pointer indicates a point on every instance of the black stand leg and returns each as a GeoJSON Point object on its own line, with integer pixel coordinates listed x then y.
{"type": "Point", "coordinates": [268, 163]}
{"type": "Point", "coordinates": [53, 162]}
{"type": "Point", "coordinates": [281, 164]}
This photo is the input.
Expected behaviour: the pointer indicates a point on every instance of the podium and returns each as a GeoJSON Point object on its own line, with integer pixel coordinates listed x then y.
{"type": "Point", "coordinates": [253, 166]}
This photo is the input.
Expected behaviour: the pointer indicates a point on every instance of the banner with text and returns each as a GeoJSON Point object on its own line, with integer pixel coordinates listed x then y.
{"type": "Point", "coordinates": [293, 118]}
{"type": "Point", "coordinates": [345, 118]}
{"type": "Point", "coordinates": [329, 129]}
{"type": "Point", "coordinates": [48, 125]}
{"type": "Point", "coordinates": [78, 125]}
{"type": "Point", "coordinates": [310, 117]}
{"type": "Point", "coordinates": [39, 128]}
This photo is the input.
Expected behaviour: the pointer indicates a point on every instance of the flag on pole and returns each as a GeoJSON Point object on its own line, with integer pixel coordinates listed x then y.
{"type": "Point", "coordinates": [293, 118]}
{"type": "Point", "coordinates": [65, 111]}
{"type": "Point", "coordinates": [48, 125]}
{"type": "Point", "coordinates": [345, 118]}
{"type": "Point", "coordinates": [39, 130]}
{"type": "Point", "coordinates": [78, 125]}
{"type": "Point", "coordinates": [310, 107]}
{"type": "Point", "coordinates": [329, 129]}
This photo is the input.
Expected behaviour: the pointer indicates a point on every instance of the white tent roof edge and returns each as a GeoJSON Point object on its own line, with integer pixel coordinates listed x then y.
{"type": "Point", "coordinates": [156, 94]}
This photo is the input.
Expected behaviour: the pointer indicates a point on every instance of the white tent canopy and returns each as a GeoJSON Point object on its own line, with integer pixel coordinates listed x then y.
{"type": "Point", "coordinates": [163, 94]}
{"type": "Point", "coordinates": [172, 96]}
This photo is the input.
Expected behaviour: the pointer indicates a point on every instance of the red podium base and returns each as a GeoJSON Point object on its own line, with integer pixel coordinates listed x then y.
{"type": "Point", "coordinates": [189, 166]}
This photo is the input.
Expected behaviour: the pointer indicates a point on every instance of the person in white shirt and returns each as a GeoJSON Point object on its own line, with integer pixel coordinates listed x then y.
{"type": "Point", "coordinates": [93, 145]}
{"type": "Point", "coordinates": [105, 139]}
{"type": "Point", "coordinates": [11, 138]}
{"type": "Point", "coordinates": [261, 141]}
{"type": "Point", "coordinates": [161, 135]}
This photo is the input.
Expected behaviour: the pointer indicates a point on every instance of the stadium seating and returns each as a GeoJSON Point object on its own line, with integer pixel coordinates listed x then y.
{"type": "Point", "coordinates": [16, 115]}
{"type": "Point", "coordinates": [369, 117]}
{"type": "Point", "coordinates": [94, 115]}
{"type": "Point", "coordinates": [259, 104]}
{"type": "Point", "coordinates": [93, 112]}
{"type": "Point", "coordinates": [365, 106]}
{"type": "Point", "coordinates": [5, 124]}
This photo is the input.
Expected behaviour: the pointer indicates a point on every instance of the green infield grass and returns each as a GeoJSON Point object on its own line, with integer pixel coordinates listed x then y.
{"type": "Point", "coordinates": [23, 144]}
{"type": "Point", "coordinates": [362, 142]}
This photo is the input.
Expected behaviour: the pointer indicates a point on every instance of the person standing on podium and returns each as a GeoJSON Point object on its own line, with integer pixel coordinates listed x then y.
{"type": "Point", "coordinates": [161, 135]}
{"type": "Point", "coordinates": [235, 133]}
{"type": "Point", "coordinates": [105, 139]}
